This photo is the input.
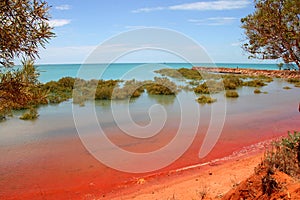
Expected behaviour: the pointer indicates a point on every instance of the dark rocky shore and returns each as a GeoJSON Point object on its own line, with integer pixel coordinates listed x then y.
{"type": "Point", "coordinates": [254, 72]}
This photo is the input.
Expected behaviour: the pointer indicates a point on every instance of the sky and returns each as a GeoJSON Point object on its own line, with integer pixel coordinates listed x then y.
{"type": "Point", "coordinates": [81, 26]}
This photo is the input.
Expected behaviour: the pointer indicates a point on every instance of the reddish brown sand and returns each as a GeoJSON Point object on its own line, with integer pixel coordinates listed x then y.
{"type": "Point", "coordinates": [210, 182]}
{"type": "Point", "coordinates": [278, 185]}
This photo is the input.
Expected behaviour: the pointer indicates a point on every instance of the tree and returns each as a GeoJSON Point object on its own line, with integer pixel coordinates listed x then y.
{"type": "Point", "coordinates": [20, 89]}
{"type": "Point", "coordinates": [273, 30]}
{"type": "Point", "coordinates": [24, 27]}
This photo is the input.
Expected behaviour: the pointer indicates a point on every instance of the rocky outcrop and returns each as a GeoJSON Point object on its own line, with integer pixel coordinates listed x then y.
{"type": "Point", "coordinates": [254, 72]}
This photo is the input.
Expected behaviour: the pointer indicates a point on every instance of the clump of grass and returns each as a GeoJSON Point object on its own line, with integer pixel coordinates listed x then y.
{"type": "Point", "coordinates": [232, 82]}
{"type": "Point", "coordinates": [190, 73]}
{"type": "Point", "coordinates": [257, 91]}
{"type": "Point", "coordinates": [231, 94]}
{"type": "Point", "coordinates": [269, 184]}
{"type": "Point", "coordinates": [265, 78]}
{"type": "Point", "coordinates": [293, 80]}
{"type": "Point", "coordinates": [194, 83]}
{"type": "Point", "coordinates": [297, 84]}
{"type": "Point", "coordinates": [161, 86]}
{"type": "Point", "coordinates": [210, 86]}
{"type": "Point", "coordinates": [131, 89]}
{"type": "Point", "coordinates": [202, 193]}
{"type": "Point", "coordinates": [284, 155]}
{"type": "Point", "coordinates": [255, 83]}
{"type": "Point", "coordinates": [287, 88]}
{"type": "Point", "coordinates": [31, 114]}
{"type": "Point", "coordinates": [173, 73]}
{"type": "Point", "coordinates": [203, 99]}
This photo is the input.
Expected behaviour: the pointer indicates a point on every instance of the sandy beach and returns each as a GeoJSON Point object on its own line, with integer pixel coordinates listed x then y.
{"type": "Point", "coordinates": [212, 181]}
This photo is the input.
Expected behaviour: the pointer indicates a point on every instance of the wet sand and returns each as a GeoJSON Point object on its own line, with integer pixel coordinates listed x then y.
{"type": "Point", "coordinates": [54, 164]}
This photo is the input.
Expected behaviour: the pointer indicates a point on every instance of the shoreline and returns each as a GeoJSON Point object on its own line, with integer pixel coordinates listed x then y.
{"type": "Point", "coordinates": [250, 72]}
{"type": "Point", "coordinates": [190, 182]}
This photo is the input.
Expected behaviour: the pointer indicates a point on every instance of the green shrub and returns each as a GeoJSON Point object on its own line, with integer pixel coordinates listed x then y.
{"type": "Point", "coordinates": [265, 78]}
{"type": "Point", "coordinates": [284, 155]}
{"type": "Point", "coordinates": [201, 89]}
{"type": "Point", "coordinates": [131, 89]}
{"type": "Point", "coordinates": [173, 73]}
{"type": "Point", "coordinates": [254, 83]}
{"type": "Point", "coordinates": [161, 86]}
{"type": "Point", "coordinates": [105, 89]}
{"type": "Point", "coordinates": [31, 114]}
{"type": "Point", "coordinates": [287, 88]}
{"type": "Point", "coordinates": [293, 80]}
{"type": "Point", "coordinates": [190, 73]}
{"type": "Point", "coordinates": [232, 82]}
{"type": "Point", "coordinates": [257, 91]}
{"type": "Point", "coordinates": [231, 94]}
{"type": "Point", "coordinates": [193, 83]}
{"type": "Point", "coordinates": [209, 87]}
{"type": "Point", "coordinates": [67, 83]}
{"type": "Point", "coordinates": [205, 99]}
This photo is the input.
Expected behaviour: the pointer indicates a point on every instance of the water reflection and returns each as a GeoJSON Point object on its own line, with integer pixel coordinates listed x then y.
{"type": "Point", "coordinates": [163, 99]}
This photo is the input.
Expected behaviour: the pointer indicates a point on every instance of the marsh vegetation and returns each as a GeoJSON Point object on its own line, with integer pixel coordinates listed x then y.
{"type": "Point", "coordinates": [80, 91]}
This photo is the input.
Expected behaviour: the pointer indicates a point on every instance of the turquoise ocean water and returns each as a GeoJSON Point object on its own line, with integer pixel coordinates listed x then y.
{"type": "Point", "coordinates": [125, 70]}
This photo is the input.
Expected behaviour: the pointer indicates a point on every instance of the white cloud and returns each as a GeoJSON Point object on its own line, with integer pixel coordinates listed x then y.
{"type": "Point", "coordinates": [135, 27]}
{"type": "Point", "coordinates": [213, 21]}
{"type": "Point", "coordinates": [212, 5]}
{"type": "Point", "coordinates": [63, 7]}
{"type": "Point", "coordinates": [201, 6]}
{"type": "Point", "coordinates": [148, 9]}
{"type": "Point", "coordinates": [59, 22]}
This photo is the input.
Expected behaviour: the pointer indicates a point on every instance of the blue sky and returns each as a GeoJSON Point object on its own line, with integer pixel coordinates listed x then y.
{"type": "Point", "coordinates": [82, 25]}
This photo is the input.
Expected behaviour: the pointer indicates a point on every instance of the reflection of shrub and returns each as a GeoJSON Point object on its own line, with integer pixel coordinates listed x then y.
{"type": "Point", "coordinates": [163, 100]}
{"type": "Point", "coordinates": [205, 99]}
{"type": "Point", "coordinates": [161, 86]}
{"type": "Point", "coordinates": [231, 94]}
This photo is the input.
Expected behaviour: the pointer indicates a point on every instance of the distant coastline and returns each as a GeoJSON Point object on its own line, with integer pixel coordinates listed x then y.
{"type": "Point", "coordinates": [49, 72]}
